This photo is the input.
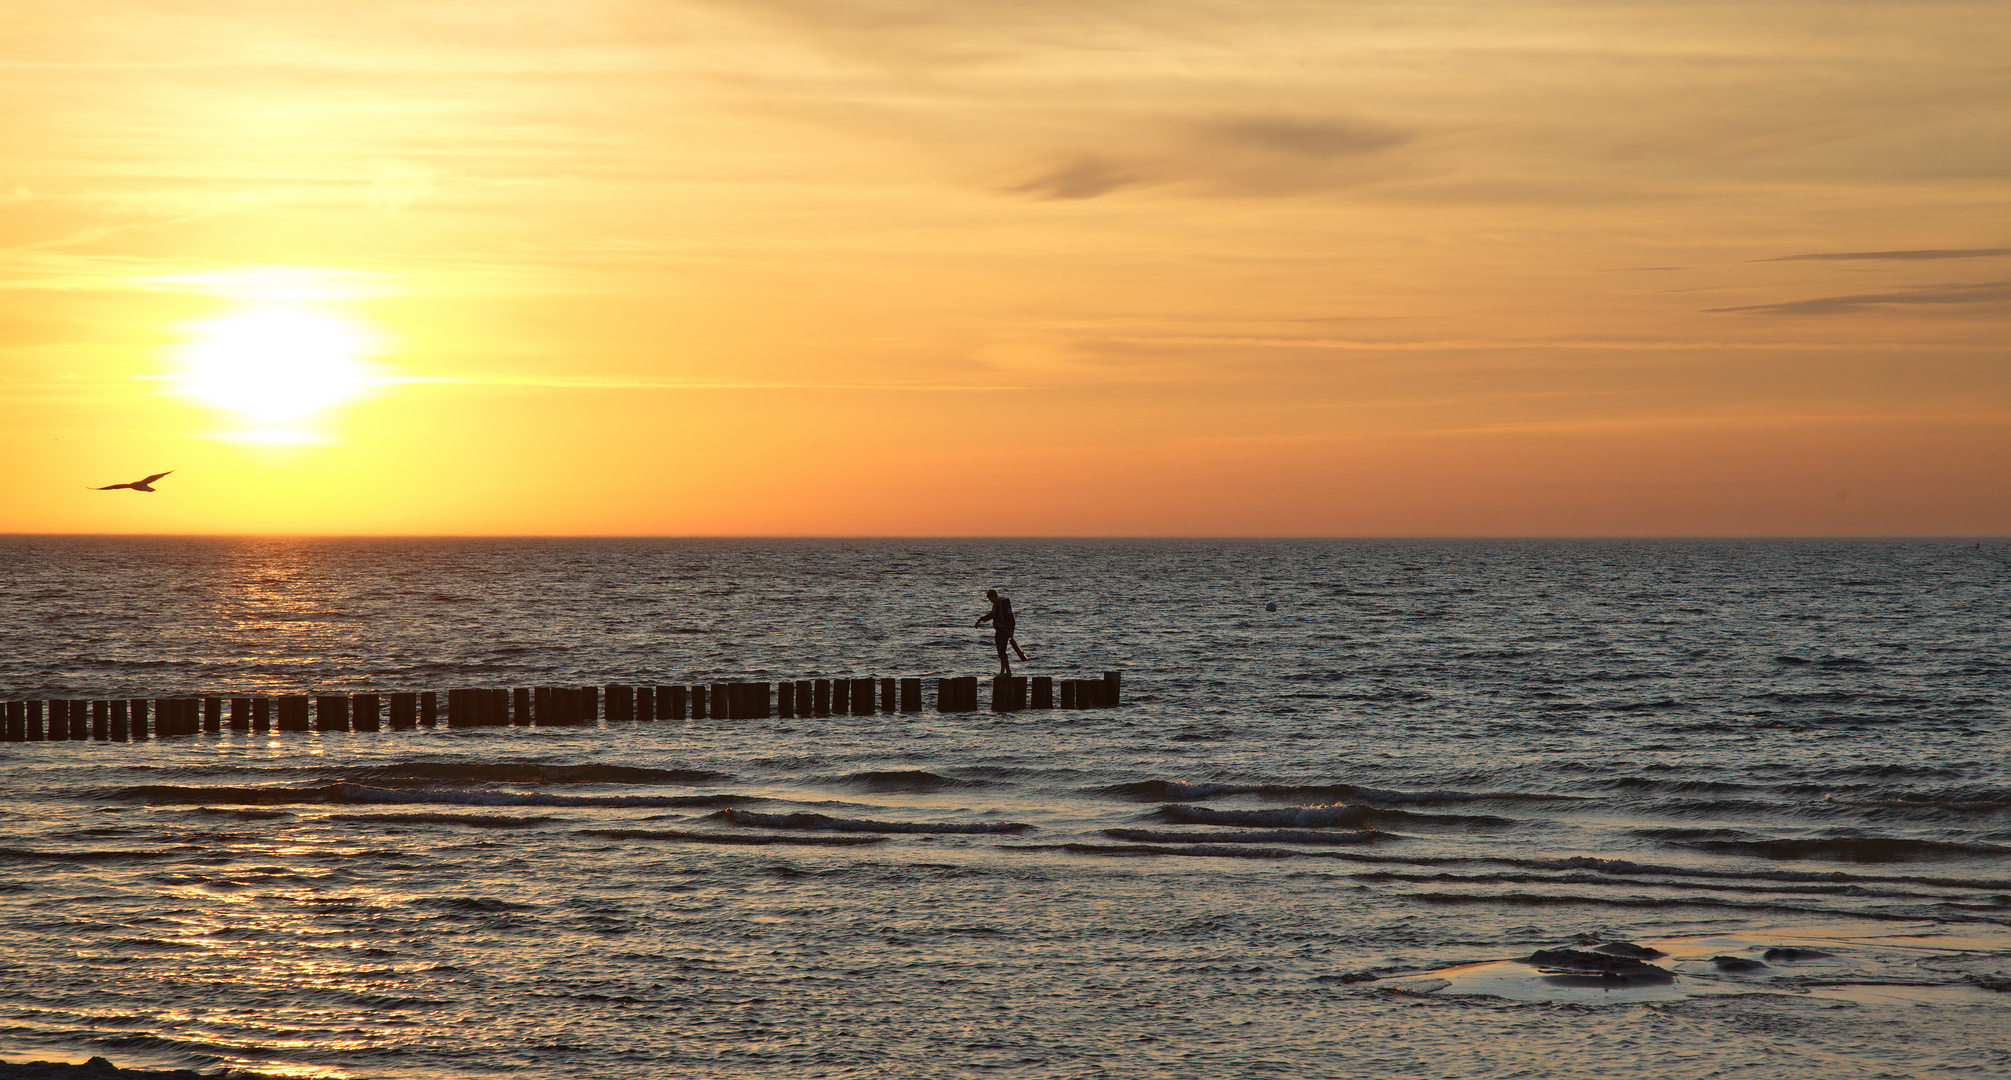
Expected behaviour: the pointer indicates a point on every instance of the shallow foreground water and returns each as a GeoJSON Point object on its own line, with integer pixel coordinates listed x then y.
{"type": "Point", "coordinates": [1408, 823]}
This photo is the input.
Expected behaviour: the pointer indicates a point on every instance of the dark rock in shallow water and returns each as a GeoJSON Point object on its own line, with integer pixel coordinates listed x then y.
{"type": "Point", "coordinates": [1597, 969]}
{"type": "Point", "coordinates": [1790, 956]}
{"type": "Point", "coordinates": [1350, 977]}
{"type": "Point", "coordinates": [1629, 950]}
{"type": "Point", "coordinates": [1581, 961]}
{"type": "Point", "coordinates": [1737, 963]}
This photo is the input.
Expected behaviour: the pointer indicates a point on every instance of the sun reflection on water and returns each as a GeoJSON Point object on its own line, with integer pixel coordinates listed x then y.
{"type": "Point", "coordinates": [256, 938]}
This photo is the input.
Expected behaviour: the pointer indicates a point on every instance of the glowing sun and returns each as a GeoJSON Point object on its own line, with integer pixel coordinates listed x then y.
{"type": "Point", "coordinates": [277, 367]}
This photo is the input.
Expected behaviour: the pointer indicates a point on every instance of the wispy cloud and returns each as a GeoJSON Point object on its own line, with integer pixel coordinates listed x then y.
{"type": "Point", "coordinates": [396, 185]}
{"type": "Point", "coordinates": [1761, 421]}
{"type": "Point", "coordinates": [1550, 345]}
{"type": "Point", "coordinates": [1896, 256]}
{"type": "Point", "coordinates": [1236, 156]}
{"type": "Point", "coordinates": [1083, 177]}
{"type": "Point", "coordinates": [102, 232]}
{"type": "Point", "coordinates": [617, 382]}
{"type": "Point", "coordinates": [1979, 294]}
{"type": "Point", "coordinates": [1758, 420]}
{"type": "Point", "coordinates": [1305, 138]}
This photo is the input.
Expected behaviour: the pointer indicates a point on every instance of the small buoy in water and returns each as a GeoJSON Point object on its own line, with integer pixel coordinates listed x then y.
{"type": "Point", "coordinates": [1272, 606]}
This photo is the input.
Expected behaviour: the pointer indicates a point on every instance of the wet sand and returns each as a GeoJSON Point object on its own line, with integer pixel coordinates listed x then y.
{"type": "Point", "coordinates": [98, 1068]}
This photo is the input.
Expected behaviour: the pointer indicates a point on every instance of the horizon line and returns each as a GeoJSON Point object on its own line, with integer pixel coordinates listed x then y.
{"type": "Point", "coordinates": [1131, 537]}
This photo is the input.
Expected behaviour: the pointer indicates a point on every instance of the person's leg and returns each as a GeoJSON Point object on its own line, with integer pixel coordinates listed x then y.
{"type": "Point", "coordinates": [1000, 637]}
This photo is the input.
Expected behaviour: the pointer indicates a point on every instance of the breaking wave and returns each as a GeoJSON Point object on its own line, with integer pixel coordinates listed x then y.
{"type": "Point", "coordinates": [907, 780]}
{"type": "Point", "coordinates": [532, 772]}
{"type": "Point", "coordinates": [823, 822]}
{"type": "Point", "coordinates": [1183, 791]}
{"type": "Point", "coordinates": [359, 793]}
{"type": "Point", "coordinates": [478, 821]}
{"type": "Point", "coordinates": [1208, 851]}
{"type": "Point", "coordinates": [1858, 849]}
{"type": "Point", "coordinates": [1319, 817]}
{"type": "Point", "coordinates": [1274, 836]}
{"type": "Point", "coordinates": [737, 839]}
{"type": "Point", "coordinates": [15, 854]}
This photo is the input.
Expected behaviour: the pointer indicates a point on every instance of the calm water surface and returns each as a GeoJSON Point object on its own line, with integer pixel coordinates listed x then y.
{"type": "Point", "coordinates": [1317, 841]}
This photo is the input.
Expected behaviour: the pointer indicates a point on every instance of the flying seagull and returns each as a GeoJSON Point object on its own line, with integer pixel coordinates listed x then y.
{"type": "Point", "coordinates": [137, 485]}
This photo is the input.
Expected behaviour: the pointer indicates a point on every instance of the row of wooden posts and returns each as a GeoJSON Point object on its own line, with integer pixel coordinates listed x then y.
{"type": "Point", "coordinates": [127, 719]}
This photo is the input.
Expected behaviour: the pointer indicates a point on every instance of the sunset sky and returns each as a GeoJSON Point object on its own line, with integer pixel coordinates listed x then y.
{"type": "Point", "coordinates": [964, 267]}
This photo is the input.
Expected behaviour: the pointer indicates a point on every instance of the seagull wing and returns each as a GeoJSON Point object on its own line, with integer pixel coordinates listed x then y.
{"type": "Point", "coordinates": [155, 477]}
{"type": "Point", "coordinates": [112, 487]}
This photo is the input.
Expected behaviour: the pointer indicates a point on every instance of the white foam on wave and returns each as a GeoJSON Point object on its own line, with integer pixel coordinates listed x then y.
{"type": "Point", "coordinates": [1271, 836]}
{"type": "Point", "coordinates": [1186, 791]}
{"type": "Point", "coordinates": [479, 821]}
{"type": "Point", "coordinates": [466, 797]}
{"type": "Point", "coordinates": [1301, 817]}
{"type": "Point", "coordinates": [824, 822]}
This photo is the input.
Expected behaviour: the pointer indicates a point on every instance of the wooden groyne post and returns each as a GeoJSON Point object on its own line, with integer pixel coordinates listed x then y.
{"type": "Point", "coordinates": [1008, 693]}
{"type": "Point", "coordinates": [957, 694]}
{"type": "Point", "coordinates": [142, 719]}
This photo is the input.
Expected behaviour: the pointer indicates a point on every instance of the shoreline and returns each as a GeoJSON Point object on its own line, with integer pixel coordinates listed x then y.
{"type": "Point", "coordinates": [99, 1068]}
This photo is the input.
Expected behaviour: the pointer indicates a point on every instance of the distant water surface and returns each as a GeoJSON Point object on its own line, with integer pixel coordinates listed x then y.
{"type": "Point", "coordinates": [1323, 840]}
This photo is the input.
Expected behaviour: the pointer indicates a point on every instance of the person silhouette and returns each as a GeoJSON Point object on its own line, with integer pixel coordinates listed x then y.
{"type": "Point", "coordinates": [1000, 616]}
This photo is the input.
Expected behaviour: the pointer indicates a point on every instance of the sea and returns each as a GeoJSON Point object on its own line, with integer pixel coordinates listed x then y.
{"type": "Point", "coordinates": [1367, 808]}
